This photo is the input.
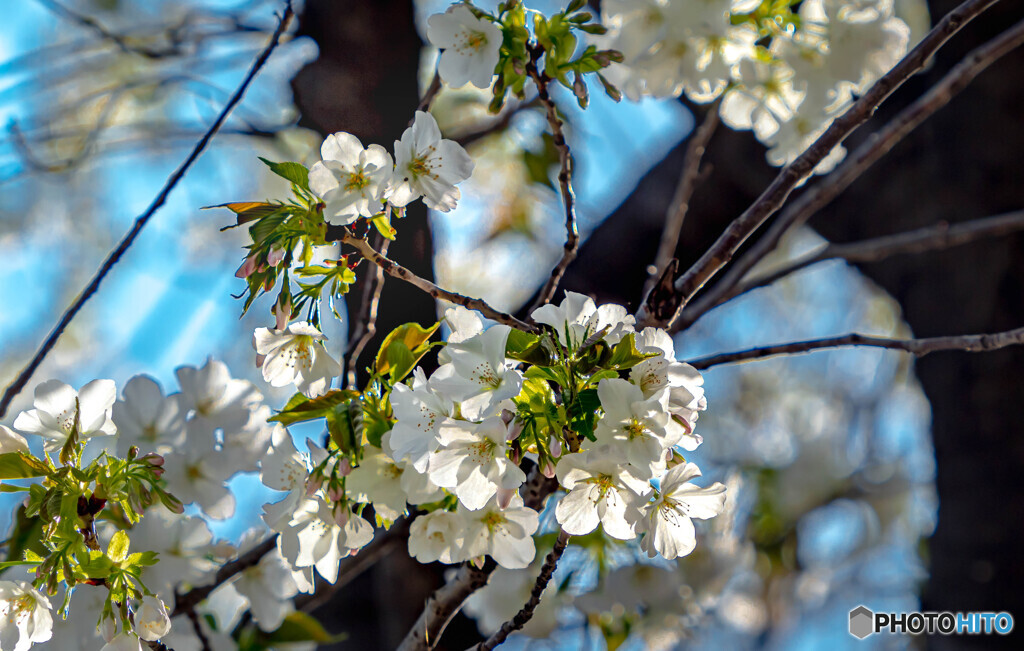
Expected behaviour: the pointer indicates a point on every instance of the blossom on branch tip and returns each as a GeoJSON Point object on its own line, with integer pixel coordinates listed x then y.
{"type": "Point", "coordinates": [506, 535]}
{"type": "Point", "coordinates": [151, 619]}
{"type": "Point", "coordinates": [480, 377]}
{"type": "Point", "coordinates": [667, 520]}
{"type": "Point", "coordinates": [296, 356]}
{"type": "Point", "coordinates": [25, 617]}
{"type": "Point", "coordinates": [428, 166]}
{"type": "Point", "coordinates": [602, 490]}
{"type": "Point", "coordinates": [59, 409]}
{"type": "Point", "coordinates": [472, 461]}
{"type": "Point", "coordinates": [351, 180]}
{"type": "Point", "coordinates": [470, 46]}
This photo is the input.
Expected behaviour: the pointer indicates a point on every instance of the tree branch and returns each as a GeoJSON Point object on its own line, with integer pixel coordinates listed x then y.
{"type": "Point", "coordinates": [525, 614]}
{"type": "Point", "coordinates": [688, 180]}
{"type": "Point", "coordinates": [879, 144]}
{"type": "Point", "coordinates": [572, 236]}
{"type": "Point", "coordinates": [918, 347]}
{"type": "Point", "coordinates": [366, 324]}
{"type": "Point", "coordinates": [186, 603]}
{"type": "Point", "coordinates": [448, 599]}
{"type": "Point", "coordinates": [930, 238]}
{"type": "Point", "coordinates": [775, 195]}
{"type": "Point", "coordinates": [115, 256]}
{"type": "Point", "coordinates": [343, 234]}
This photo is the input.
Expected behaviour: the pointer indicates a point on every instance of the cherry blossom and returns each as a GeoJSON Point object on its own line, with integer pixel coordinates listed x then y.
{"type": "Point", "coordinates": [11, 441]}
{"type": "Point", "coordinates": [437, 536]}
{"type": "Point", "coordinates": [667, 520]}
{"type": "Point", "coordinates": [472, 461]}
{"type": "Point", "coordinates": [480, 378]}
{"type": "Point", "coordinates": [146, 418]}
{"type": "Point", "coordinates": [296, 355]}
{"type": "Point", "coordinates": [25, 617]}
{"type": "Point", "coordinates": [428, 166]}
{"type": "Point", "coordinates": [506, 535]}
{"type": "Point", "coordinates": [420, 412]}
{"type": "Point", "coordinates": [602, 491]}
{"type": "Point", "coordinates": [637, 428]}
{"type": "Point", "coordinates": [350, 179]}
{"type": "Point", "coordinates": [470, 46]}
{"type": "Point", "coordinates": [320, 536]}
{"type": "Point", "coordinates": [59, 410]}
{"type": "Point", "coordinates": [151, 619]}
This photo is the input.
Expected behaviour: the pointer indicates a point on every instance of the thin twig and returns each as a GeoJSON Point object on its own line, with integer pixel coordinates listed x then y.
{"type": "Point", "coordinates": [525, 614]}
{"type": "Point", "coordinates": [688, 181]}
{"type": "Point", "coordinates": [97, 27]}
{"type": "Point", "coordinates": [115, 256]}
{"type": "Point", "coordinates": [879, 144]}
{"type": "Point", "coordinates": [918, 347]}
{"type": "Point", "coordinates": [428, 97]}
{"type": "Point", "coordinates": [186, 603]}
{"type": "Point", "coordinates": [448, 599]}
{"type": "Point", "coordinates": [365, 326]}
{"type": "Point", "coordinates": [572, 236]}
{"type": "Point", "coordinates": [343, 234]}
{"type": "Point", "coordinates": [930, 238]}
{"type": "Point", "coordinates": [204, 642]}
{"type": "Point", "coordinates": [775, 195]}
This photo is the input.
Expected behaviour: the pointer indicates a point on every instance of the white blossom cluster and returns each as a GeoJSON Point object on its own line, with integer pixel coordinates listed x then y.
{"type": "Point", "coordinates": [788, 91]}
{"type": "Point", "coordinates": [356, 182]}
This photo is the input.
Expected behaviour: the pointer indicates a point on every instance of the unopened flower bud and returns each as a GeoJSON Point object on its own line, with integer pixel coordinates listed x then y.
{"type": "Point", "coordinates": [548, 470]}
{"type": "Point", "coordinates": [282, 314]}
{"type": "Point", "coordinates": [153, 459]}
{"type": "Point", "coordinates": [341, 516]}
{"type": "Point", "coordinates": [335, 492]}
{"type": "Point", "coordinates": [344, 467]}
{"type": "Point", "coordinates": [515, 428]}
{"type": "Point", "coordinates": [151, 619]}
{"type": "Point", "coordinates": [108, 628]}
{"type": "Point", "coordinates": [555, 444]}
{"type": "Point", "coordinates": [275, 255]}
{"type": "Point", "coordinates": [247, 269]}
{"type": "Point", "coordinates": [313, 484]}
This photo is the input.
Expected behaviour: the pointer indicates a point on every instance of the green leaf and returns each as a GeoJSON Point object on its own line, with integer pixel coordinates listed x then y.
{"type": "Point", "coordinates": [142, 559]}
{"type": "Point", "coordinates": [117, 550]}
{"type": "Point", "coordinates": [383, 225]}
{"type": "Point", "coordinates": [294, 172]}
{"type": "Point", "coordinates": [413, 338]}
{"type": "Point", "coordinates": [247, 211]}
{"type": "Point", "coordinates": [526, 347]}
{"type": "Point", "coordinates": [301, 627]}
{"type": "Point", "coordinates": [68, 513]}
{"type": "Point", "coordinates": [625, 355]}
{"type": "Point", "coordinates": [300, 408]}
{"type": "Point", "coordinates": [19, 465]}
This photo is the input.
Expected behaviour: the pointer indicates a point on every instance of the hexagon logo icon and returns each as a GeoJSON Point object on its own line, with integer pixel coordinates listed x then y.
{"type": "Point", "coordinates": [862, 622]}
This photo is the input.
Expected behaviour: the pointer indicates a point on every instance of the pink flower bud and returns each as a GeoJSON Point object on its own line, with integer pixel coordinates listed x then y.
{"type": "Point", "coordinates": [344, 467]}
{"type": "Point", "coordinates": [517, 455]}
{"type": "Point", "coordinates": [313, 484]}
{"type": "Point", "coordinates": [282, 314]}
{"type": "Point", "coordinates": [505, 497]}
{"type": "Point", "coordinates": [247, 269]}
{"type": "Point", "coordinates": [515, 428]}
{"type": "Point", "coordinates": [556, 446]}
{"type": "Point", "coordinates": [336, 493]}
{"type": "Point", "coordinates": [507, 415]}
{"type": "Point", "coordinates": [276, 255]}
{"type": "Point", "coordinates": [548, 470]}
{"type": "Point", "coordinates": [153, 459]}
{"type": "Point", "coordinates": [341, 516]}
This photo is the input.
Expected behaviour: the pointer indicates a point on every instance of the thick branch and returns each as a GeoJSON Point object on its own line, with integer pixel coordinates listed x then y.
{"type": "Point", "coordinates": [186, 603]}
{"type": "Point", "coordinates": [525, 614]}
{"type": "Point", "coordinates": [930, 238]}
{"type": "Point", "coordinates": [448, 599]}
{"type": "Point", "coordinates": [857, 163]}
{"type": "Point", "coordinates": [115, 256]}
{"type": "Point", "coordinates": [392, 268]}
{"type": "Point", "coordinates": [775, 195]}
{"type": "Point", "coordinates": [918, 347]}
{"type": "Point", "coordinates": [688, 180]}
{"type": "Point", "coordinates": [572, 236]}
